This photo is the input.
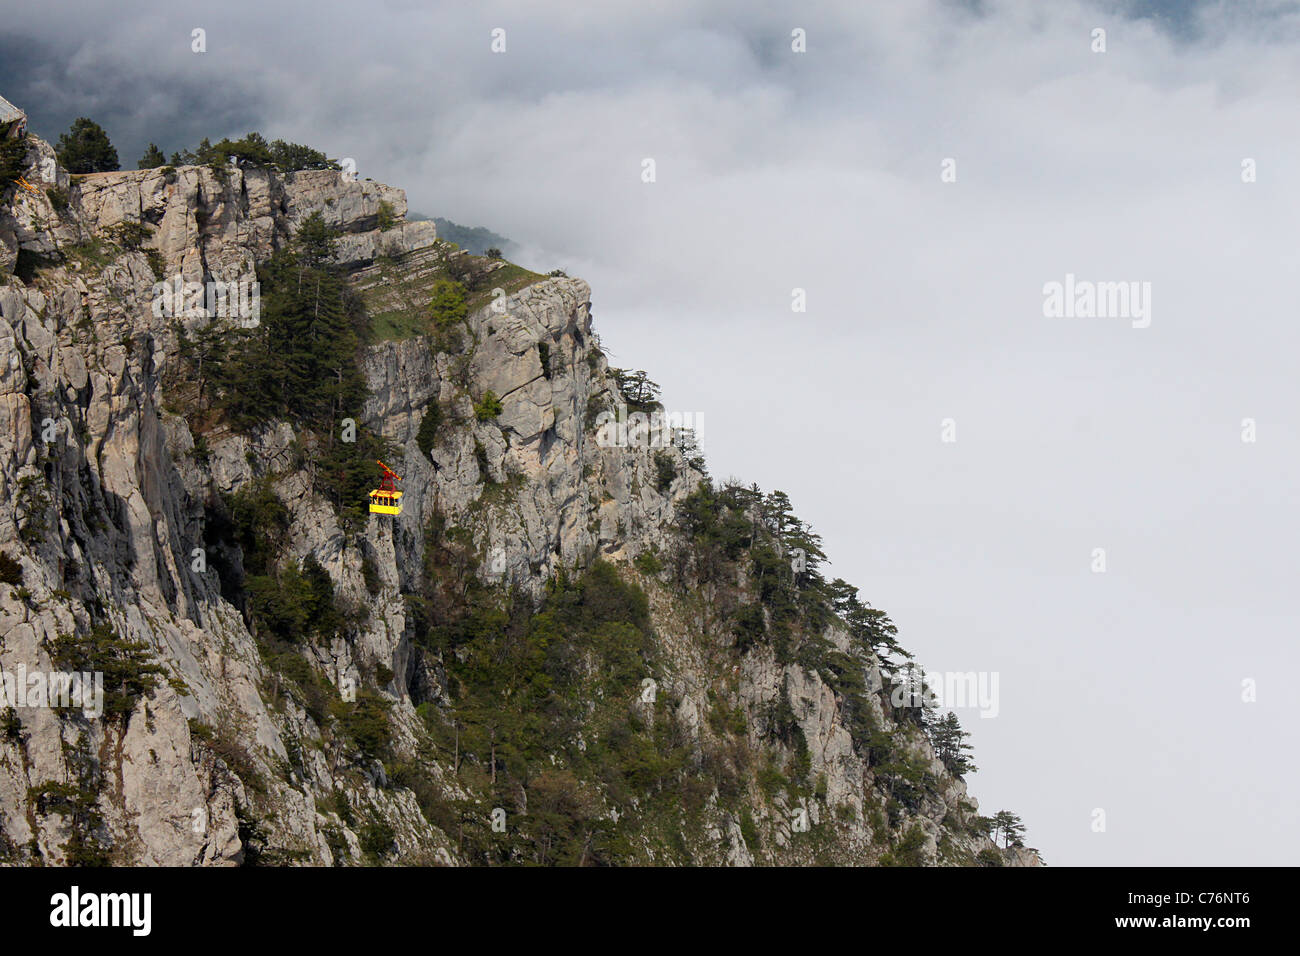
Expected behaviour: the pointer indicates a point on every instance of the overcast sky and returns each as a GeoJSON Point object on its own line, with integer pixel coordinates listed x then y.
{"type": "Point", "coordinates": [821, 170]}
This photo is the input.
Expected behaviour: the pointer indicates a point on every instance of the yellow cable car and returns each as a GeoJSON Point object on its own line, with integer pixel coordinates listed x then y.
{"type": "Point", "coordinates": [386, 499]}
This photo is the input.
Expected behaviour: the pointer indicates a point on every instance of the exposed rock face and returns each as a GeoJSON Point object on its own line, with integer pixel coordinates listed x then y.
{"type": "Point", "coordinates": [106, 491]}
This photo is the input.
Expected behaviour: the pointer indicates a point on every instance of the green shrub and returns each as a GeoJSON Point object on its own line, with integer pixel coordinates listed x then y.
{"type": "Point", "coordinates": [279, 606]}
{"type": "Point", "coordinates": [447, 306]}
{"type": "Point", "coordinates": [648, 563]}
{"type": "Point", "coordinates": [34, 501]}
{"type": "Point", "coordinates": [11, 571]}
{"type": "Point", "coordinates": [377, 838]}
{"type": "Point", "coordinates": [337, 802]}
{"type": "Point", "coordinates": [749, 830]}
{"type": "Point", "coordinates": [129, 235]}
{"type": "Point", "coordinates": [58, 199]}
{"type": "Point", "coordinates": [365, 721]}
{"type": "Point", "coordinates": [910, 850]}
{"type": "Point", "coordinates": [723, 720]}
{"type": "Point", "coordinates": [28, 262]}
{"type": "Point", "coordinates": [370, 575]}
{"type": "Point", "coordinates": [665, 471]}
{"type": "Point", "coordinates": [488, 407]}
{"type": "Point", "coordinates": [156, 263]}
{"type": "Point", "coordinates": [596, 403]}
{"type": "Point", "coordinates": [748, 625]}
{"type": "Point", "coordinates": [295, 604]}
{"type": "Point", "coordinates": [481, 458]}
{"type": "Point", "coordinates": [427, 436]}
{"type": "Point", "coordinates": [771, 781]}
{"type": "Point", "coordinates": [259, 520]}
{"type": "Point", "coordinates": [227, 744]}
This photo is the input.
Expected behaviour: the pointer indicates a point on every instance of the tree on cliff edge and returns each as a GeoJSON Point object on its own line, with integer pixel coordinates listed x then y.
{"type": "Point", "coordinates": [1010, 827]}
{"type": "Point", "coordinates": [86, 148]}
{"type": "Point", "coordinates": [153, 158]}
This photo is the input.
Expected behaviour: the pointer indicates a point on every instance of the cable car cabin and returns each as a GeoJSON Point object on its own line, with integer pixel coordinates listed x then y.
{"type": "Point", "coordinates": [384, 502]}
{"type": "Point", "coordinates": [386, 499]}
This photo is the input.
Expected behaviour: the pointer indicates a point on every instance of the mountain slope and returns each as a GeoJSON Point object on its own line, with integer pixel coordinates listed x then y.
{"type": "Point", "coordinates": [562, 651]}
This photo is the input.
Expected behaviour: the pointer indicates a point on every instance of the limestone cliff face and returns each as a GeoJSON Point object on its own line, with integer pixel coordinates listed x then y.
{"type": "Point", "coordinates": [109, 490]}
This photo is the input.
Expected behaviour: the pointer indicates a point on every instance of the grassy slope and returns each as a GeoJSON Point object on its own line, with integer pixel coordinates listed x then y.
{"type": "Point", "coordinates": [398, 302]}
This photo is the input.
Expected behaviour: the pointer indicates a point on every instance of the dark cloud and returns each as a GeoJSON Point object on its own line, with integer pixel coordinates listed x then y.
{"type": "Point", "coordinates": [58, 79]}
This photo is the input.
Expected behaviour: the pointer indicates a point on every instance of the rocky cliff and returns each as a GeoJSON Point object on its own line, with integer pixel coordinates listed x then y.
{"type": "Point", "coordinates": [561, 651]}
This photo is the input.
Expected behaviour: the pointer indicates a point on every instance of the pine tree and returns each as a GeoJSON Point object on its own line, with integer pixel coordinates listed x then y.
{"type": "Point", "coordinates": [291, 157]}
{"type": "Point", "coordinates": [689, 445]}
{"type": "Point", "coordinates": [85, 148]}
{"type": "Point", "coordinates": [206, 351]}
{"type": "Point", "coordinates": [778, 513]}
{"type": "Point", "coordinates": [868, 625]}
{"type": "Point", "coordinates": [1009, 826]}
{"type": "Point", "coordinates": [13, 159]}
{"type": "Point", "coordinates": [252, 150]}
{"type": "Point", "coordinates": [153, 158]}
{"type": "Point", "coordinates": [300, 362]}
{"type": "Point", "coordinates": [950, 745]}
{"type": "Point", "coordinates": [635, 386]}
